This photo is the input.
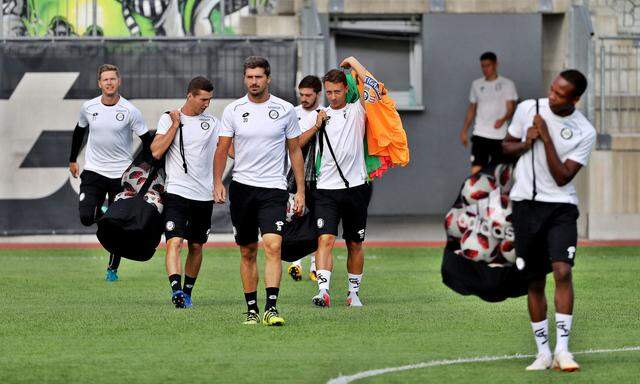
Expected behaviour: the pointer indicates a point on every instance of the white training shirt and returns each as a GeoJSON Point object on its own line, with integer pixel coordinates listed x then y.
{"type": "Point", "coordinates": [200, 138]}
{"type": "Point", "coordinates": [573, 137]}
{"type": "Point", "coordinates": [346, 129]}
{"type": "Point", "coordinates": [259, 132]}
{"type": "Point", "coordinates": [491, 98]}
{"type": "Point", "coordinates": [302, 113]}
{"type": "Point", "coordinates": [110, 145]}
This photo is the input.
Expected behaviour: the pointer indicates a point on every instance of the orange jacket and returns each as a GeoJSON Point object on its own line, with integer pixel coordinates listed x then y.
{"type": "Point", "coordinates": [385, 135]}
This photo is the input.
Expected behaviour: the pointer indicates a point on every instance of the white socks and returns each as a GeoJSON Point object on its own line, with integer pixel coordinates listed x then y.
{"type": "Point", "coordinates": [354, 282]}
{"type": "Point", "coordinates": [563, 327]}
{"type": "Point", "coordinates": [541, 334]}
{"type": "Point", "coordinates": [324, 279]}
{"type": "Point", "coordinates": [312, 266]}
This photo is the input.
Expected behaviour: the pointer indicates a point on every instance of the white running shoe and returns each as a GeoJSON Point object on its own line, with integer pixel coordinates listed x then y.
{"type": "Point", "coordinates": [322, 299]}
{"type": "Point", "coordinates": [563, 361]}
{"type": "Point", "coordinates": [353, 300]}
{"type": "Point", "coordinates": [542, 362]}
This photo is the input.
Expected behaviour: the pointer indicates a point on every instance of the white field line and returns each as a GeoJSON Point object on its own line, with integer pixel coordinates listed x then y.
{"type": "Point", "coordinates": [437, 363]}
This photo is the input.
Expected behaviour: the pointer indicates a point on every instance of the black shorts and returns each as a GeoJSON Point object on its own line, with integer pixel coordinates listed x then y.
{"type": "Point", "coordinates": [187, 219]}
{"type": "Point", "coordinates": [544, 233]}
{"type": "Point", "coordinates": [255, 208]}
{"type": "Point", "coordinates": [350, 205]}
{"type": "Point", "coordinates": [485, 151]}
{"type": "Point", "coordinates": [94, 189]}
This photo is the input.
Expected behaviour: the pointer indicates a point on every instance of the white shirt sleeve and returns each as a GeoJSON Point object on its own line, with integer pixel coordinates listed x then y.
{"type": "Point", "coordinates": [292, 128]}
{"type": "Point", "coordinates": [164, 123]}
{"type": "Point", "coordinates": [307, 122]}
{"type": "Point", "coordinates": [582, 152]}
{"type": "Point", "coordinates": [511, 92]}
{"type": "Point", "coordinates": [518, 127]}
{"type": "Point", "coordinates": [136, 122]}
{"type": "Point", "coordinates": [473, 98]}
{"type": "Point", "coordinates": [227, 129]}
{"type": "Point", "coordinates": [82, 118]}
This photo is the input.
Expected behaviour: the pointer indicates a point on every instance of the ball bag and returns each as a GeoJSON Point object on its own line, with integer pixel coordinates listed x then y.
{"type": "Point", "coordinates": [132, 227]}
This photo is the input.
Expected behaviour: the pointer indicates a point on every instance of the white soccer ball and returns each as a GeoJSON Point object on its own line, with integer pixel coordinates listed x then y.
{"type": "Point", "coordinates": [451, 224]}
{"type": "Point", "coordinates": [503, 174]}
{"type": "Point", "coordinates": [155, 200]}
{"type": "Point", "coordinates": [477, 187]}
{"type": "Point", "coordinates": [124, 195]}
{"type": "Point", "coordinates": [498, 213]}
{"type": "Point", "coordinates": [477, 244]}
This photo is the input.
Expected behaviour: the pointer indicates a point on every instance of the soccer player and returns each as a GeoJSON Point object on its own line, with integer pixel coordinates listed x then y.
{"type": "Point", "coordinates": [554, 142]}
{"type": "Point", "coordinates": [111, 120]}
{"type": "Point", "coordinates": [190, 137]}
{"type": "Point", "coordinates": [309, 91]}
{"type": "Point", "coordinates": [342, 193]}
{"type": "Point", "coordinates": [262, 127]}
{"type": "Point", "coordinates": [492, 101]}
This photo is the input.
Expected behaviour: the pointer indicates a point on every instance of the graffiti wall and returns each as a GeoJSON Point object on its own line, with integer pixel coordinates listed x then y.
{"type": "Point", "coordinates": [120, 18]}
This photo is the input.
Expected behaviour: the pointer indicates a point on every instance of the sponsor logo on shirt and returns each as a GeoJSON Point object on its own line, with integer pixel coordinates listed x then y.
{"type": "Point", "coordinates": [273, 114]}
{"type": "Point", "coordinates": [94, 116]}
{"type": "Point", "coordinates": [482, 88]}
{"type": "Point", "coordinates": [119, 116]}
{"type": "Point", "coordinates": [498, 87]}
{"type": "Point", "coordinates": [245, 117]}
{"type": "Point", "coordinates": [566, 133]}
{"type": "Point", "coordinates": [204, 125]}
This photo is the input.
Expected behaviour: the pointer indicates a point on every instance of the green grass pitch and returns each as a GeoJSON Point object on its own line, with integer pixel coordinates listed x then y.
{"type": "Point", "coordinates": [60, 322]}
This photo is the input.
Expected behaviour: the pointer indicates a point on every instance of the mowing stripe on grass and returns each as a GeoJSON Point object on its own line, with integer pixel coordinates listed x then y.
{"type": "Point", "coordinates": [438, 363]}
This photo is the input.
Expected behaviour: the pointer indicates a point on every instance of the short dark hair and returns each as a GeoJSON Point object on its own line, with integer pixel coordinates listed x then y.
{"type": "Point", "coordinates": [199, 83]}
{"type": "Point", "coordinates": [577, 79]}
{"type": "Point", "coordinates": [489, 56]}
{"type": "Point", "coordinates": [311, 81]}
{"type": "Point", "coordinates": [335, 76]}
{"type": "Point", "coordinates": [257, 62]}
{"type": "Point", "coordinates": [107, 68]}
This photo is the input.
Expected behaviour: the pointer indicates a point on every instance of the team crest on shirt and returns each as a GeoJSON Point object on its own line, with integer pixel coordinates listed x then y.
{"type": "Point", "coordinates": [119, 116]}
{"type": "Point", "coordinates": [482, 88]}
{"type": "Point", "coordinates": [273, 114]}
{"type": "Point", "coordinates": [566, 133]}
{"type": "Point", "coordinates": [170, 225]}
{"type": "Point", "coordinates": [205, 125]}
{"type": "Point", "coordinates": [245, 117]}
{"type": "Point", "coordinates": [498, 87]}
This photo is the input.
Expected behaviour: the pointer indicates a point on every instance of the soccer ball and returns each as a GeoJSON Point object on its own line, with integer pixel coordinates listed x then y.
{"type": "Point", "coordinates": [467, 219]}
{"type": "Point", "coordinates": [503, 174]}
{"type": "Point", "coordinates": [498, 213]}
{"type": "Point", "coordinates": [508, 250]}
{"type": "Point", "coordinates": [155, 200]}
{"type": "Point", "coordinates": [477, 244]}
{"type": "Point", "coordinates": [477, 187]}
{"type": "Point", "coordinates": [126, 194]}
{"type": "Point", "coordinates": [451, 224]}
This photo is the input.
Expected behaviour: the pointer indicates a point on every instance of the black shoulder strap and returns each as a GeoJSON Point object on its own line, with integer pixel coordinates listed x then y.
{"type": "Point", "coordinates": [181, 145]}
{"type": "Point", "coordinates": [533, 164]}
{"type": "Point", "coordinates": [333, 155]}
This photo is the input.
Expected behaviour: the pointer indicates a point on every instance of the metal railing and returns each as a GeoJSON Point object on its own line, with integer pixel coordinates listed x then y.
{"type": "Point", "coordinates": [618, 90]}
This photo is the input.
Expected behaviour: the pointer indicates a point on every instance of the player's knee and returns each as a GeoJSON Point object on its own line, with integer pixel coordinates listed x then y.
{"type": "Point", "coordinates": [562, 273]}
{"type": "Point", "coordinates": [536, 287]}
{"type": "Point", "coordinates": [174, 244]}
{"type": "Point", "coordinates": [249, 252]}
{"type": "Point", "coordinates": [272, 248]}
{"type": "Point", "coordinates": [326, 241]}
{"type": "Point", "coordinates": [195, 248]}
{"type": "Point", "coordinates": [354, 247]}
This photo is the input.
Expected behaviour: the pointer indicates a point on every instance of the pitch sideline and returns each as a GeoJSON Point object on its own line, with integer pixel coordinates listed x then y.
{"type": "Point", "coordinates": [437, 363]}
